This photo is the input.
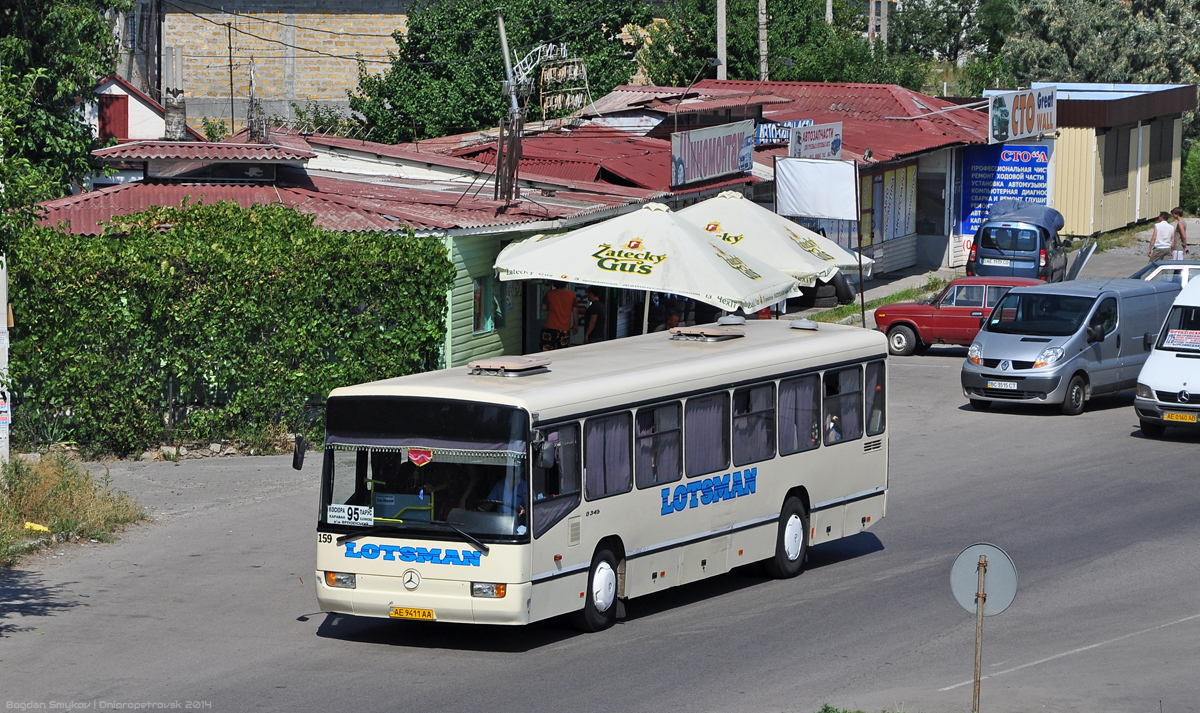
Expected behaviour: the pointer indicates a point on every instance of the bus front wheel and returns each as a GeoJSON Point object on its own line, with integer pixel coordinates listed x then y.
{"type": "Point", "coordinates": [791, 544]}
{"type": "Point", "coordinates": [600, 597]}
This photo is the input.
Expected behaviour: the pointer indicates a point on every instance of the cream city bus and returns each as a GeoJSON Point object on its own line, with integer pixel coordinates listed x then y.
{"type": "Point", "coordinates": [522, 488]}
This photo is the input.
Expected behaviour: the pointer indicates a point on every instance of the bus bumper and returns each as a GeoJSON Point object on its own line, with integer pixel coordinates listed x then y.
{"type": "Point", "coordinates": [449, 600]}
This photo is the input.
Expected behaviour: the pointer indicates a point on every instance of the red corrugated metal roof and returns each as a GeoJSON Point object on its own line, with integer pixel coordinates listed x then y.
{"type": "Point", "coordinates": [689, 106]}
{"type": "Point", "coordinates": [201, 151]}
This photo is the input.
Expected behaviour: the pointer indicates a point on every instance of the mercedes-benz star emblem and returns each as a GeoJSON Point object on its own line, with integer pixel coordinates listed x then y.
{"type": "Point", "coordinates": [411, 579]}
{"type": "Point", "coordinates": [1184, 397]}
{"type": "Point", "coordinates": [1005, 364]}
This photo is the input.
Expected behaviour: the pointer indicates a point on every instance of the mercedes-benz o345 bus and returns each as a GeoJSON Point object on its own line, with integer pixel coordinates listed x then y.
{"type": "Point", "coordinates": [524, 487]}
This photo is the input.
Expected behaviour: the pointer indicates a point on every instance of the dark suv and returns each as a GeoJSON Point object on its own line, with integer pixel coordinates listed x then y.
{"type": "Point", "coordinates": [1019, 240]}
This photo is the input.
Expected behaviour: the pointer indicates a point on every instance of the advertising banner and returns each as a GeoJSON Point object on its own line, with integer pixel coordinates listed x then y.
{"type": "Point", "coordinates": [816, 188]}
{"type": "Point", "coordinates": [701, 154]}
{"type": "Point", "coordinates": [996, 172]}
{"type": "Point", "coordinates": [779, 133]}
{"type": "Point", "coordinates": [1014, 116]}
{"type": "Point", "coordinates": [817, 141]}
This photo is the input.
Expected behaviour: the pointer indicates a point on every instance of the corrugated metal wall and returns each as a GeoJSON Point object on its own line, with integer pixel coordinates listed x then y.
{"type": "Point", "coordinates": [1119, 208]}
{"type": "Point", "coordinates": [892, 255]}
{"type": "Point", "coordinates": [473, 257]}
{"type": "Point", "coordinates": [1076, 174]}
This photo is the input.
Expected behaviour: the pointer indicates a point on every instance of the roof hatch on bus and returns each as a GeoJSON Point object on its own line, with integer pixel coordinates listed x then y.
{"type": "Point", "coordinates": [510, 366]}
{"type": "Point", "coordinates": [706, 333]}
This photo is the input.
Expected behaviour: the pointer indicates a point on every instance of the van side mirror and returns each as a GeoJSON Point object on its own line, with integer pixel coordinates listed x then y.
{"type": "Point", "coordinates": [982, 322]}
{"type": "Point", "coordinates": [298, 452]}
{"type": "Point", "coordinates": [1095, 333]}
{"type": "Point", "coordinates": [1148, 341]}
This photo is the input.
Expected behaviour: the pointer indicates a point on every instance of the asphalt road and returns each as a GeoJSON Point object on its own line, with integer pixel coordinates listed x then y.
{"type": "Point", "coordinates": [212, 602]}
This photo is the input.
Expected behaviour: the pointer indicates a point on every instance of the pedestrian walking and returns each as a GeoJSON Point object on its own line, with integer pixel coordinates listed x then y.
{"type": "Point", "coordinates": [1161, 241]}
{"type": "Point", "coordinates": [595, 319]}
{"type": "Point", "coordinates": [562, 317]}
{"type": "Point", "coordinates": [1179, 239]}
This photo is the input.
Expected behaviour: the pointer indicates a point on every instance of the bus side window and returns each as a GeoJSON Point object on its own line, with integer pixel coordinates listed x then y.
{"type": "Point", "coordinates": [799, 414]}
{"type": "Point", "coordinates": [753, 424]}
{"type": "Point", "coordinates": [607, 455]}
{"type": "Point", "coordinates": [843, 405]}
{"type": "Point", "coordinates": [659, 436]}
{"type": "Point", "coordinates": [556, 488]}
{"type": "Point", "coordinates": [706, 434]}
{"type": "Point", "coordinates": [876, 399]}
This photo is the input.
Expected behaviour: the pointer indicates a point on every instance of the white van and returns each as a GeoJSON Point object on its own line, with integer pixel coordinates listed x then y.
{"type": "Point", "coordinates": [1168, 387]}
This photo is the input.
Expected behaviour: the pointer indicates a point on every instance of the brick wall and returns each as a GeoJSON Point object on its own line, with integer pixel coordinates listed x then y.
{"type": "Point", "coordinates": [290, 43]}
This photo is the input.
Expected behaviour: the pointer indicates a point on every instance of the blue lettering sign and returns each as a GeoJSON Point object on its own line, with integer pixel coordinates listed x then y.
{"type": "Point", "coordinates": [738, 484]}
{"type": "Point", "coordinates": [392, 553]}
{"type": "Point", "coordinates": [999, 171]}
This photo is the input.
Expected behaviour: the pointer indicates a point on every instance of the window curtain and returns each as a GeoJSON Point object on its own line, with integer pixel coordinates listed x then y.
{"type": "Point", "coordinates": [658, 446]}
{"type": "Point", "coordinates": [707, 449]}
{"type": "Point", "coordinates": [798, 412]}
{"type": "Point", "coordinates": [875, 399]}
{"type": "Point", "coordinates": [608, 459]}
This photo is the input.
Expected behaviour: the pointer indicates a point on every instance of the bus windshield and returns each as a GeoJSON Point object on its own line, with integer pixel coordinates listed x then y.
{"type": "Point", "coordinates": [417, 465]}
{"type": "Point", "coordinates": [1182, 332]}
{"type": "Point", "coordinates": [1039, 314]}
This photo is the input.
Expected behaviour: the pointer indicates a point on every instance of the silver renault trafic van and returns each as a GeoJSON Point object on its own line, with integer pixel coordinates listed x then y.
{"type": "Point", "coordinates": [1064, 343]}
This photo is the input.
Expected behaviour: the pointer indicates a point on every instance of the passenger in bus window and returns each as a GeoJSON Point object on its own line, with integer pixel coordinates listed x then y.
{"type": "Point", "coordinates": [833, 429]}
{"type": "Point", "coordinates": [671, 323]}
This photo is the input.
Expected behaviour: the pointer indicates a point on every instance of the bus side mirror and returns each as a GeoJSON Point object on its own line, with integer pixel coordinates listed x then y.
{"type": "Point", "coordinates": [545, 454]}
{"type": "Point", "coordinates": [298, 452]}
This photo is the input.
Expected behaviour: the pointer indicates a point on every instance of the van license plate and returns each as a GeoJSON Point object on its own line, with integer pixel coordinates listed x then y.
{"type": "Point", "coordinates": [406, 613]}
{"type": "Point", "coordinates": [996, 263]}
{"type": "Point", "coordinates": [1185, 417]}
{"type": "Point", "coordinates": [1010, 385]}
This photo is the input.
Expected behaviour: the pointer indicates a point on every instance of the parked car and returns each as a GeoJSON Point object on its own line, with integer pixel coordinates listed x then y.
{"type": "Point", "coordinates": [1063, 344]}
{"type": "Point", "coordinates": [950, 318]}
{"type": "Point", "coordinates": [1178, 271]}
{"type": "Point", "coordinates": [1171, 373]}
{"type": "Point", "coordinates": [1019, 239]}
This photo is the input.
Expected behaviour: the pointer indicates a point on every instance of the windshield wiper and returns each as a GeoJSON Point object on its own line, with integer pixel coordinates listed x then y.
{"type": "Point", "coordinates": [393, 528]}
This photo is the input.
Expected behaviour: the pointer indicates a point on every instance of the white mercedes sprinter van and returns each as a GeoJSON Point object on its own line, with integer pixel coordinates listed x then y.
{"type": "Point", "coordinates": [1168, 386]}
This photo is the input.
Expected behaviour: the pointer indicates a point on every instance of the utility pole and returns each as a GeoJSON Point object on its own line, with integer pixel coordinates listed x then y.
{"type": "Point", "coordinates": [508, 148]}
{"type": "Point", "coordinates": [229, 40]}
{"type": "Point", "coordinates": [883, 21]}
{"type": "Point", "coordinates": [828, 12]}
{"type": "Point", "coordinates": [722, 38]}
{"type": "Point", "coordinates": [763, 71]}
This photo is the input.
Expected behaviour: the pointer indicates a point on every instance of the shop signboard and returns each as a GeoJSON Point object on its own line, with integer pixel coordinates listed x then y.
{"type": "Point", "coordinates": [714, 151]}
{"type": "Point", "coordinates": [1014, 116]}
{"type": "Point", "coordinates": [779, 132]}
{"type": "Point", "coordinates": [817, 141]}
{"type": "Point", "coordinates": [1002, 171]}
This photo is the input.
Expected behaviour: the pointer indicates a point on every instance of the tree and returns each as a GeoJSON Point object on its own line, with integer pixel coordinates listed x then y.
{"type": "Point", "coordinates": [950, 30]}
{"type": "Point", "coordinates": [446, 73]}
{"type": "Point", "coordinates": [686, 37]}
{"type": "Point", "coordinates": [51, 53]}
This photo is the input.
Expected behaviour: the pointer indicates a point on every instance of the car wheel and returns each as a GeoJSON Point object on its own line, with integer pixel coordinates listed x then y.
{"type": "Point", "coordinates": [600, 598]}
{"type": "Point", "coordinates": [1072, 404]}
{"type": "Point", "coordinates": [981, 404]}
{"type": "Point", "coordinates": [791, 543]}
{"type": "Point", "coordinates": [1150, 429]}
{"type": "Point", "coordinates": [901, 340]}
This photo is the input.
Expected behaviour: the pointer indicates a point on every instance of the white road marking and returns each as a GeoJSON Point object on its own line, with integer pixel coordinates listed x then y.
{"type": "Point", "coordinates": [1073, 651]}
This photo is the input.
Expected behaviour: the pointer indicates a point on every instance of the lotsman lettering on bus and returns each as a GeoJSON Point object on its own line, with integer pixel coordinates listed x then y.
{"type": "Point", "coordinates": [393, 553]}
{"type": "Point", "coordinates": [710, 490]}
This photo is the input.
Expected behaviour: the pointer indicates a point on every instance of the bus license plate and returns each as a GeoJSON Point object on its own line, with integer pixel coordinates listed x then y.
{"type": "Point", "coordinates": [1009, 385]}
{"type": "Point", "coordinates": [406, 613]}
{"type": "Point", "coordinates": [1185, 417]}
{"type": "Point", "coordinates": [995, 262]}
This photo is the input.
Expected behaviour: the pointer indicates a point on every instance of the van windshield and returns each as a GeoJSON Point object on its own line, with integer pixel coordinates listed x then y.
{"type": "Point", "coordinates": [1182, 330]}
{"type": "Point", "coordinates": [1039, 314]}
{"type": "Point", "coordinates": [1008, 239]}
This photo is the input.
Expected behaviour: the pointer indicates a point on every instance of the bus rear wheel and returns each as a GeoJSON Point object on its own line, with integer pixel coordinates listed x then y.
{"type": "Point", "coordinates": [600, 597]}
{"type": "Point", "coordinates": [791, 544]}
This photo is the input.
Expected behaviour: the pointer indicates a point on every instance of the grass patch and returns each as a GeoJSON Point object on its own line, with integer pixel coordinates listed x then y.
{"type": "Point", "coordinates": [932, 284]}
{"type": "Point", "coordinates": [830, 709]}
{"type": "Point", "coordinates": [60, 494]}
{"type": "Point", "coordinates": [1123, 238]}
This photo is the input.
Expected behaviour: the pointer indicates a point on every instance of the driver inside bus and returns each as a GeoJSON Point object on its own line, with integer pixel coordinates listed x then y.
{"type": "Point", "coordinates": [510, 497]}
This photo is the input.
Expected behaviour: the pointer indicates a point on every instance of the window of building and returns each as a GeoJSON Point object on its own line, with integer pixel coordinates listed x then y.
{"type": "Point", "coordinates": [1116, 159]}
{"type": "Point", "coordinates": [556, 477]}
{"type": "Point", "coordinates": [706, 435]}
{"type": "Point", "coordinates": [875, 397]}
{"type": "Point", "coordinates": [753, 424]}
{"type": "Point", "coordinates": [799, 414]}
{"type": "Point", "coordinates": [659, 434]}
{"type": "Point", "coordinates": [607, 456]}
{"type": "Point", "coordinates": [843, 405]}
{"type": "Point", "coordinates": [114, 116]}
{"type": "Point", "coordinates": [482, 310]}
{"type": "Point", "coordinates": [1162, 144]}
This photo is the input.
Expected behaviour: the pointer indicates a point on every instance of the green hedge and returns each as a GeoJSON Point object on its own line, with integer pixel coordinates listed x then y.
{"type": "Point", "coordinates": [212, 322]}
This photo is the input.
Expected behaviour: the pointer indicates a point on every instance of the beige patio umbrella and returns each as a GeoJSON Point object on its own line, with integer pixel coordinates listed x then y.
{"type": "Point", "coordinates": [650, 249]}
{"type": "Point", "coordinates": [758, 232]}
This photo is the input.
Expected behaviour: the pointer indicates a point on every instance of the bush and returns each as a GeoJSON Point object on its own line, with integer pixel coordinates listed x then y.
{"type": "Point", "coordinates": [1189, 181]}
{"type": "Point", "coordinates": [59, 494]}
{"type": "Point", "coordinates": [212, 322]}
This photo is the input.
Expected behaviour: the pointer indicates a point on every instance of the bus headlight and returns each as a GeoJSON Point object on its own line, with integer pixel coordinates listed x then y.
{"type": "Point", "coordinates": [974, 354]}
{"type": "Point", "coordinates": [1145, 392]}
{"type": "Point", "coordinates": [341, 580]}
{"type": "Point", "coordinates": [488, 589]}
{"type": "Point", "coordinates": [1048, 357]}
